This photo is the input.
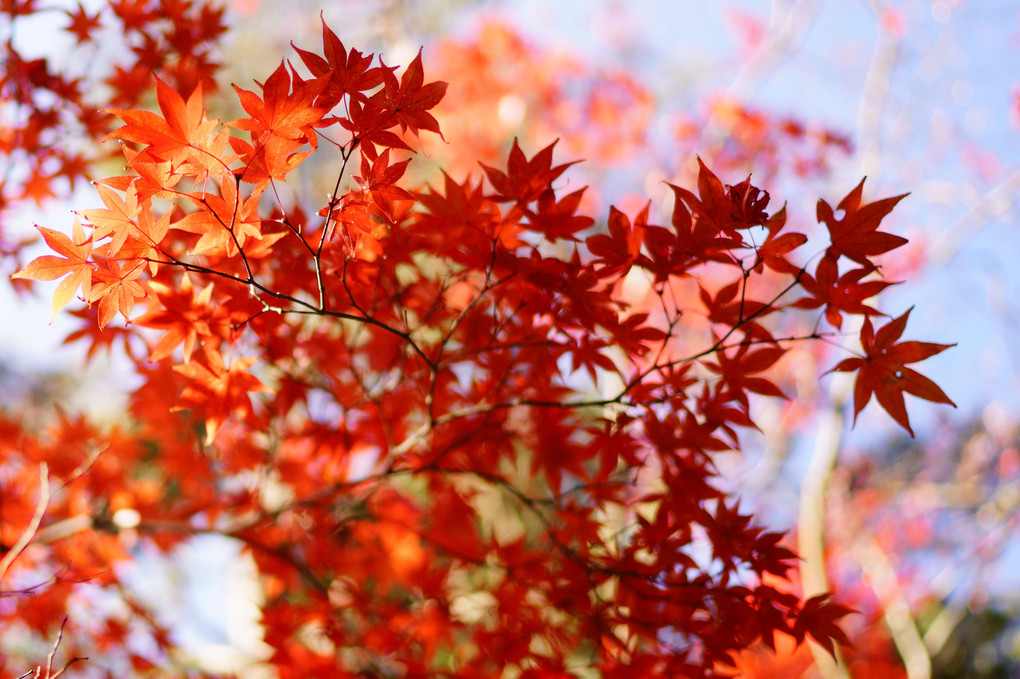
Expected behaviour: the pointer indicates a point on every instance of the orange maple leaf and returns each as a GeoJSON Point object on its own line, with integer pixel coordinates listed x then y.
{"type": "Point", "coordinates": [75, 251]}
{"type": "Point", "coordinates": [182, 314]}
{"type": "Point", "coordinates": [116, 289]}
{"type": "Point", "coordinates": [280, 111]}
{"type": "Point", "coordinates": [224, 222]}
{"type": "Point", "coordinates": [882, 370]}
{"type": "Point", "coordinates": [222, 390]}
{"type": "Point", "coordinates": [181, 135]}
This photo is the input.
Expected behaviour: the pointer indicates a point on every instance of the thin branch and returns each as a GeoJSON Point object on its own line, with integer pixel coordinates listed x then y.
{"type": "Point", "coordinates": [995, 203]}
{"type": "Point", "coordinates": [811, 520]}
{"type": "Point", "coordinates": [874, 96]}
{"type": "Point", "coordinates": [881, 577]}
{"type": "Point", "coordinates": [33, 525]}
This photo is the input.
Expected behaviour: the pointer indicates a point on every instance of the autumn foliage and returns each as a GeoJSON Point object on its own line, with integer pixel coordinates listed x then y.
{"type": "Point", "coordinates": [50, 117]}
{"type": "Point", "coordinates": [433, 416]}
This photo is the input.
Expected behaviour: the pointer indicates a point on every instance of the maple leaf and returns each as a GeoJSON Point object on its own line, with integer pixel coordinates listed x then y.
{"type": "Point", "coordinates": [856, 235]}
{"type": "Point", "coordinates": [747, 204]}
{"type": "Point", "coordinates": [380, 177]}
{"type": "Point", "coordinates": [882, 370]}
{"type": "Point", "coordinates": [840, 294]}
{"type": "Point", "coordinates": [559, 219]}
{"type": "Point", "coordinates": [737, 371]}
{"type": "Point", "coordinates": [272, 159]}
{"type": "Point", "coordinates": [772, 253]}
{"type": "Point", "coordinates": [470, 218]}
{"type": "Point", "coordinates": [38, 187]}
{"type": "Point", "coordinates": [369, 124]}
{"type": "Point", "coordinates": [525, 180]}
{"type": "Point", "coordinates": [117, 218]}
{"type": "Point", "coordinates": [732, 533]}
{"type": "Point", "coordinates": [153, 179]}
{"type": "Point", "coordinates": [223, 391]}
{"type": "Point", "coordinates": [350, 74]}
{"type": "Point", "coordinates": [224, 222]}
{"type": "Point", "coordinates": [280, 111]}
{"type": "Point", "coordinates": [143, 244]}
{"type": "Point", "coordinates": [14, 8]}
{"type": "Point", "coordinates": [183, 315]}
{"type": "Point", "coordinates": [587, 353]}
{"type": "Point", "coordinates": [712, 202]}
{"type": "Point", "coordinates": [82, 24]}
{"type": "Point", "coordinates": [411, 100]}
{"type": "Point", "coordinates": [817, 619]}
{"type": "Point", "coordinates": [180, 135]}
{"type": "Point", "coordinates": [726, 208]}
{"type": "Point", "coordinates": [116, 289]}
{"type": "Point", "coordinates": [98, 338]}
{"type": "Point", "coordinates": [75, 251]}
{"type": "Point", "coordinates": [618, 251]}
{"type": "Point", "coordinates": [135, 14]}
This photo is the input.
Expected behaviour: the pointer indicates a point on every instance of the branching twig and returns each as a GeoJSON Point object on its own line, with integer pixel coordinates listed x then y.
{"type": "Point", "coordinates": [47, 673]}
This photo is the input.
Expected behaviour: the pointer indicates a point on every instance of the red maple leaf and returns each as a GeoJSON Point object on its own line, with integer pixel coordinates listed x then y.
{"type": "Point", "coordinates": [410, 100]}
{"type": "Point", "coordinates": [772, 253]}
{"type": "Point", "coordinates": [883, 370]}
{"type": "Point", "coordinates": [840, 294]}
{"type": "Point", "coordinates": [350, 73]}
{"type": "Point", "coordinates": [818, 620]}
{"type": "Point", "coordinates": [856, 235]}
{"type": "Point", "coordinates": [524, 180]}
{"type": "Point", "coordinates": [558, 218]}
{"type": "Point", "coordinates": [379, 177]}
{"type": "Point", "coordinates": [618, 251]}
{"type": "Point", "coordinates": [737, 371]}
{"type": "Point", "coordinates": [135, 14]}
{"type": "Point", "coordinates": [82, 24]}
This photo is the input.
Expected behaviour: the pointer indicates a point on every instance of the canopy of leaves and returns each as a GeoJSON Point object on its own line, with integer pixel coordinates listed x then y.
{"type": "Point", "coordinates": [381, 395]}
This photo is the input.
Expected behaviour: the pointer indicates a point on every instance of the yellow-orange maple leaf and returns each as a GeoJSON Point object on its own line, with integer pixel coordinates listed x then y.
{"type": "Point", "coordinates": [117, 289]}
{"type": "Point", "coordinates": [117, 218]}
{"type": "Point", "coordinates": [75, 251]}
